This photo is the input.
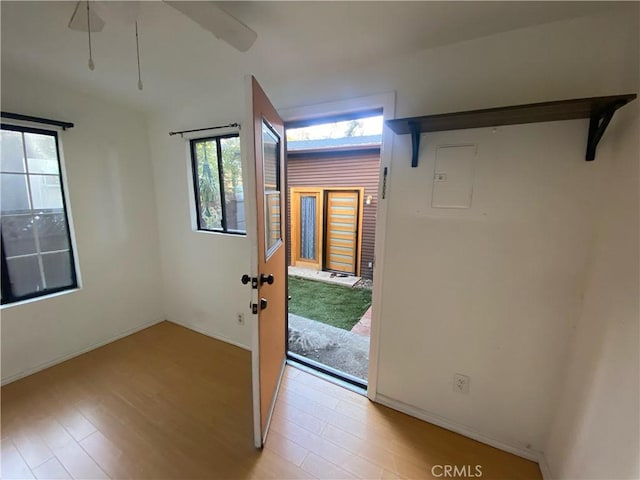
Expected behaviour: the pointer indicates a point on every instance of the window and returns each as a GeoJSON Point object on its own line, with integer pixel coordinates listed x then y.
{"type": "Point", "coordinates": [217, 180]}
{"type": "Point", "coordinates": [36, 245]}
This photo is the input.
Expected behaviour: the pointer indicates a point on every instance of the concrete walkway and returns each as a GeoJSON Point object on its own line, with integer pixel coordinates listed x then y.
{"type": "Point", "coordinates": [363, 327]}
{"type": "Point", "coordinates": [326, 277]}
{"type": "Point", "coordinates": [340, 349]}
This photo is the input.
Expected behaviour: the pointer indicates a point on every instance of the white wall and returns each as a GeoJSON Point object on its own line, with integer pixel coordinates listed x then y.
{"type": "Point", "coordinates": [201, 271]}
{"type": "Point", "coordinates": [493, 292]}
{"type": "Point", "coordinates": [596, 427]}
{"type": "Point", "coordinates": [112, 204]}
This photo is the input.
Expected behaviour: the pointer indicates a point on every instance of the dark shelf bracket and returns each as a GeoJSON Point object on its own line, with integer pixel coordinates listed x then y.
{"type": "Point", "coordinates": [415, 142]}
{"type": "Point", "coordinates": [598, 123]}
{"type": "Point", "coordinates": [599, 110]}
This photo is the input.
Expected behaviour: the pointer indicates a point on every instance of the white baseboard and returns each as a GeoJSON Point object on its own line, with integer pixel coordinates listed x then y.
{"type": "Point", "coordinates": [64, 358]}
{"type": "Point", "coordinates": [212, 335]}
{"type": "Point", "coordinates": [544, 467]}
{"type": "Point", "coordinates": [457, 428]}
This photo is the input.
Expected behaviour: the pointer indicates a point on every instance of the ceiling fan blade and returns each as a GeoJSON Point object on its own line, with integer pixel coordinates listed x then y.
{"type": "Point", "coordinates": [215, 20]}
{"type": "Point", "coordinates": [78, 20]}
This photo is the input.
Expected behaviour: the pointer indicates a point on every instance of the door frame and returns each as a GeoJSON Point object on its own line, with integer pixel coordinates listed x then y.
{"type": "Point", "coordinates": [321, 229]}
{"type": "Point", "coordinates": [386, 102]}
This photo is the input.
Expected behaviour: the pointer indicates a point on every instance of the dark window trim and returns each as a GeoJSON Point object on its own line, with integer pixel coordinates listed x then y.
{"type": "Point", "coordinates": [29, 118]}
{"type": "Point", "coordinates": [358, 151]}
{"type": "Point", "coordinates": [7, 294]}
{"type": "Point", "coordinates": [353, 115]}
{"type": "Point", "coordinates": [194, 171]}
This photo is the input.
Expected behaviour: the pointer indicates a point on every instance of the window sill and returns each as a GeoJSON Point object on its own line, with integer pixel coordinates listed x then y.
{"type": "Point", "coordinates": [226, 234]}
{"type": "Point", "coordinates": [38, 299]}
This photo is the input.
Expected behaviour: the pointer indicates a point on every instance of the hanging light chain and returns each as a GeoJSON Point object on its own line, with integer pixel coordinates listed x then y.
{"type": "Point", "coordinates": [91, 65]}
{"type": "Point", "coordinates": [138, 54]}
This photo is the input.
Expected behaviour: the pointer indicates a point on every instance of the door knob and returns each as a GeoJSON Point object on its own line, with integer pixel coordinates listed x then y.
{"type": "Point", "coordinates": [247, 278]}
{"type": "Point", "coordinates": [264, 278]}
{"type": "Point", "coordinates": [263, 303]}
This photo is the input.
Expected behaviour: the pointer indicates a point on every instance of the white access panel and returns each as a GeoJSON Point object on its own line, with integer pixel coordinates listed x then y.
{"type": "Point", "coordinates": [453, 176]}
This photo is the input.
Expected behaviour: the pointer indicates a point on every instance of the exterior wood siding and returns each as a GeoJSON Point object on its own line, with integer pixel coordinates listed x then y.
{"type": "Point", "coordinates": [350, 169]}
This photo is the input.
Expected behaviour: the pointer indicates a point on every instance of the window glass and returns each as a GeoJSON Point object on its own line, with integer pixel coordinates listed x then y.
{"type": "Point", "coordinates": [11, 152]}
{"type": "Point", "coordinates": [57, 269]}
{"type": "Point", "coordinates": [308, 227]}
{"type": "Point", "coordinates": [46, 192]}
{"type": "Point", "coordinates": [42, 155]}
{"type": "Point", "coordinates": [14, 194]}
{"type": "Point", "coordinates": [18, 235]}
{"type": "Point", "coordinates": [52, 231]}
{"type": "Point", "coordinates": [217, 170]}
{"type": "Point", "coordinates": [25, 275]}
{"type": "Point", "coordinates": [233, 188]}
{"type": "Point", "coordinates": [36, 246]}
{"type": "Point", "coordinates": [208, 186]}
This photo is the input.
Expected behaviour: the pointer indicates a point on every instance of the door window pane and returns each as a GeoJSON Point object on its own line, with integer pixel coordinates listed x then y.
{"type": "Point", "coordinates": [272, 221]}
{"type": "Point", "coordinates": [271, 184]}
{"type": "Point", "coordinates": [308, 227]}
{"type": "Point", "coordinates": [24, 274]}
{"type": "Point", "coordinates": [57, 269]}
{"type": "Point", "coordinates": [18, 235]}
{"type": "Point", "coordinates": [12, 154]}
{"type": "Point", "coordinates": [14, 196]}
{"type": "Point", "coordinates": [42, 154]}
{"type": "Point", "coordinates": [270, 159]}
{"type": "Point", "coordinates": [46, 192]}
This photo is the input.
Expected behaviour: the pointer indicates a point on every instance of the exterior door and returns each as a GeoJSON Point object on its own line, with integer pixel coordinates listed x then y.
{"type": "Point", "coordinates": [265, 148]}
{"type": "Point", "coordinates": [342, 231]}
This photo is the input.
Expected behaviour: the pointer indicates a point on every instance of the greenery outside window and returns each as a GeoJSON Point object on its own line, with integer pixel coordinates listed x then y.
{"type": "Point", "coordinates": [36, 254]}
{"type": "Point", "coordinates": [217, 181]}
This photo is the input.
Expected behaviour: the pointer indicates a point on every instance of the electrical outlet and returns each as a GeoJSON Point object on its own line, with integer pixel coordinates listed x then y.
{"type": "Point", "coordinates": [461, 383]}
{"type": "Point", "coordinates": [240, 319]}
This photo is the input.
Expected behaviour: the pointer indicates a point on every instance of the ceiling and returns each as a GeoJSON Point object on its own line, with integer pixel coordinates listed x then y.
{"type": "Point", "coordinates": [181, 61]}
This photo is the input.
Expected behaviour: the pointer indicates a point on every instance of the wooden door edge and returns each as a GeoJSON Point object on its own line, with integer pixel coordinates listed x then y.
{"type": "Point", "coordinates": [272, 406]}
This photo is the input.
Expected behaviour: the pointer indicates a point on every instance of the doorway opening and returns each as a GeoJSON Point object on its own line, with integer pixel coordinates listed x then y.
{"type": "Point", "coordinates": [332, 172]}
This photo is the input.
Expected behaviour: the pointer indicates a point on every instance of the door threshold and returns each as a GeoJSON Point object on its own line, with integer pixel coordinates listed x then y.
{"type": "Point", "coordinates": [329, 374]}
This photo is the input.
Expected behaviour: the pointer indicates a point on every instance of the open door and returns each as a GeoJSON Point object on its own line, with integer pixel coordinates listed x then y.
{"type": "Point", "coordinates": [263, 135]}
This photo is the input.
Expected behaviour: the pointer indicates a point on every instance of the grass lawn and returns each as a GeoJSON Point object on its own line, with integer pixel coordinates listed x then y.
{"type": "Point", "coordinates": [334, 305]}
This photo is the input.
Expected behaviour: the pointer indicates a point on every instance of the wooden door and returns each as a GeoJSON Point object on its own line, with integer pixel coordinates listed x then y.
{"type": "Point", "coordinates": [269, 354]}
{"type": "Point", "coordinates": [341, 227]}
{"type": "Point", "coordinates": [306, 227]}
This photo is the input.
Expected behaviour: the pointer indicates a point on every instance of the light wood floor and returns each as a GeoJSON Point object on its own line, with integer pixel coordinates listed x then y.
{"type": "Point", "coordinates": [170, 403]}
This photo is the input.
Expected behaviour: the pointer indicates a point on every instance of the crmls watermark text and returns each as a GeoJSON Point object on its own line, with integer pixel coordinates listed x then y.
{"type": "Point", "coordinates": [456, 471]}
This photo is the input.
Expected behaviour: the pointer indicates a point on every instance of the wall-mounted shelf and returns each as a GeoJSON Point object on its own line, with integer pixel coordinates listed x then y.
{"type": "Point", "coordinates": [599, 109]}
